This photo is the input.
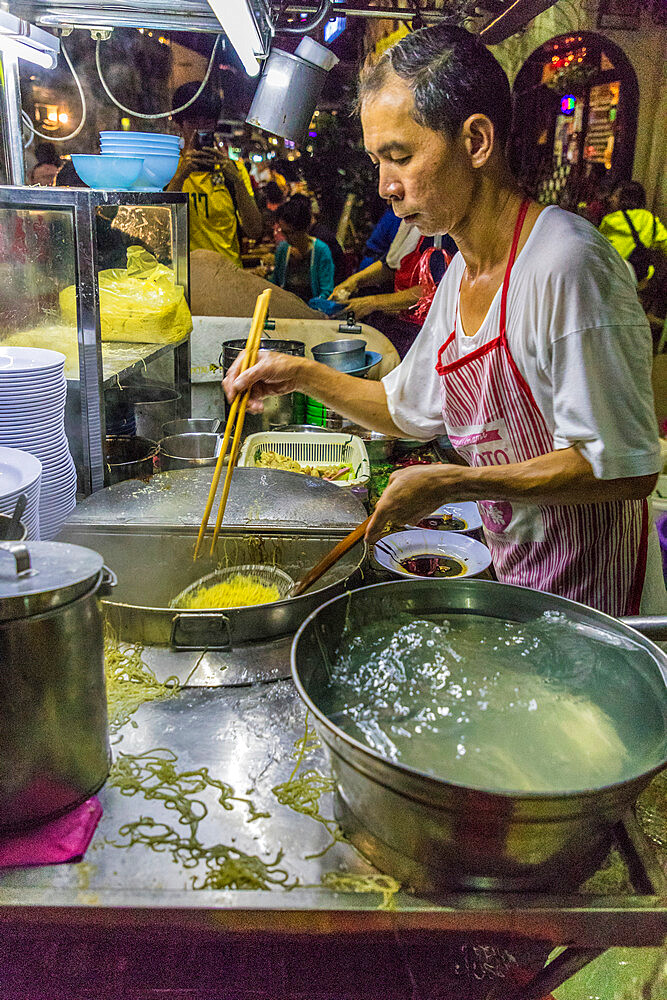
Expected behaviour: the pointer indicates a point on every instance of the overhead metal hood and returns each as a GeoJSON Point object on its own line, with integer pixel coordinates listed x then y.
{"type": "Point", "coordinates": [507, 17]}
{"type": "Point", "coordinates": [168, 15]}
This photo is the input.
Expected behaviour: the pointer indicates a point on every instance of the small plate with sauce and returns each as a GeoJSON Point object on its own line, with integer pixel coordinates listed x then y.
{"type": "Point", "coordinates": [462, 517]}
{"type": "Point", "coordinates": [421, 552]}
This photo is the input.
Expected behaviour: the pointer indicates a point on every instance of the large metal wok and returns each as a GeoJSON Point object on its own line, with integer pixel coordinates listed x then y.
{"type": "Point", "coordinates": [432, 833]}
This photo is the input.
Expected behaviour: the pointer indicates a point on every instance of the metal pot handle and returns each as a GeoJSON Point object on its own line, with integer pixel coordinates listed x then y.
{"type": "Point", "coordinates": [652, 626]}
{"type": "Point", "coordinates": [21, 557]}
{"type": "Point", "coordinates": [189, 632]}
{"type": "Point", "coordinates": [108, 580]}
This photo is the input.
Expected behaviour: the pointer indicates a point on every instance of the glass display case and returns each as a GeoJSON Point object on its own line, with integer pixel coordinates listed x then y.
{"type": "Point", "coordinates": [102, 277]}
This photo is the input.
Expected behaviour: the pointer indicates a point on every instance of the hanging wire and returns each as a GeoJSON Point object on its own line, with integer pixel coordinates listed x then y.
{"type": "Point", "coordinates": [324, 11]}
{"type": "Point", "coordinates": [162, 114]}
{"type": "Point", "coordinates": [64, 138]}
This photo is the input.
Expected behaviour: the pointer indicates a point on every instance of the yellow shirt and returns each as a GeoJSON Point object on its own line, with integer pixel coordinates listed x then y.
{"type": "Point", "coordinates": [213, 222]}
{"type": "Point", "coordinates": [615, 227]}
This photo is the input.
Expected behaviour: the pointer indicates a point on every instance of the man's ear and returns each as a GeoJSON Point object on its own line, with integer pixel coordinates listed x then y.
{"type": "Point", "coordinates": [479, 136]}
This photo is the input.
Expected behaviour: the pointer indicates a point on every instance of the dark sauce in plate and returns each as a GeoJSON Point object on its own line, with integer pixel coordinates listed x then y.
{"type": "Point", "coordinates": [435, 566]}
{"type": "Point", "coordinates": [440, 523]}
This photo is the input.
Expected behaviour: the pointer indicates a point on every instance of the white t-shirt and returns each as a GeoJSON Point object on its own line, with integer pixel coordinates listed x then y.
{"type": "Point", "coordinates": [404, 242]}
{"type": "Point", "coordinates": [579, 337]}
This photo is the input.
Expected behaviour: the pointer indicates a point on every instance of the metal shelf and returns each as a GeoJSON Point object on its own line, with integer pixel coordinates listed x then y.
{"type": "Point", "coordinates": [120, 359]}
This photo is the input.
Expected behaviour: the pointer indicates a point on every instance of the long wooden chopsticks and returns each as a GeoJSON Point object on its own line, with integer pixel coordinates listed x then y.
{"type": "Point", "coordinates": [236, 413]}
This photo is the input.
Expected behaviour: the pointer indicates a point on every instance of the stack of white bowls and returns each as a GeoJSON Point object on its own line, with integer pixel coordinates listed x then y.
{"type": "Point", "coordinates": [21, 473]}
{"type": "Point", "coordinates": [159, 151]}
{"type": "Point", "coordinates": [32, 418]}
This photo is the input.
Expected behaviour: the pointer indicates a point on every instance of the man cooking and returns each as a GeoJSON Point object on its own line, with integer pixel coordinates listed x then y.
{"type": "Point", "coordinates": [535, 358]}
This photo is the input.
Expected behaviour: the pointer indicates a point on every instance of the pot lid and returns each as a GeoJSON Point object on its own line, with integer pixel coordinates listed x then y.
{"type": "Point", "coordinates": [259, 500]}
{"type": "Point", "coordinates": [40, 576]}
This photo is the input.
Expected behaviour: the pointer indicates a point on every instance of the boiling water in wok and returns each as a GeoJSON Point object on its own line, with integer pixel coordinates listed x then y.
{"type": "Point", "coordinates": [505, 706]}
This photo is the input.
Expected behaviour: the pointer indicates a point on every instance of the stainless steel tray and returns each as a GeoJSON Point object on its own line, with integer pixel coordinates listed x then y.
{"type": "Point", "coordinates": [246, 737]}
{"type": "Point", "coordinates": [259, 499]}
{"type": "Point", "coordinates": [153, 565]}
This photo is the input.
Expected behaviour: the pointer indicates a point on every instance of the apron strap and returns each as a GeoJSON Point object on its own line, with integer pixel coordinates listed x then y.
{"type": "Point", "coordinates": [521, 218]}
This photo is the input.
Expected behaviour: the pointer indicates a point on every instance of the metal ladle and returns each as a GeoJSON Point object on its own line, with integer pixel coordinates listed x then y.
{"type": "Point", "coordinates": [13, 531]}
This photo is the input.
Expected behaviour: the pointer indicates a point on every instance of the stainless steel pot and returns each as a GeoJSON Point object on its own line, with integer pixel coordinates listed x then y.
{"type": "Point", "coordinates": [191, 425]}
{"type": "Point", "coordinates": [432, 833]}
{"type": "Point", "coordinates": [277, 409]}
{"type": "Point", "coordinates": [128, 458]}
{"type": "Point", "coordinates": [187, 451]}
{"type": "Point", "coordinates": [54, 751]}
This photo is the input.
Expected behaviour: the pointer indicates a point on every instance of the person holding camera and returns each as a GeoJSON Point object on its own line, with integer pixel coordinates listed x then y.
{"type": "Point", "coordinates": [220, 191]}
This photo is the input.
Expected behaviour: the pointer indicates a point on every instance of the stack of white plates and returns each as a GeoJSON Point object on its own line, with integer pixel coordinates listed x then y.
{"type": "Point", "coordinates": [20, 473]}
{"type": "Point", "coordinates": [32, 418]}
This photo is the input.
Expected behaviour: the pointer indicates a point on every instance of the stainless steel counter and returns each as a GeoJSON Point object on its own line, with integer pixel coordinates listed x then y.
{"type": "Point", "coordinates": [246, 737]}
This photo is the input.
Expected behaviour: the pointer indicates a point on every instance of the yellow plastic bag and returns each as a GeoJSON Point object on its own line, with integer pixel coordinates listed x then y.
{"type": "Point", "coordinates": [140, 304]}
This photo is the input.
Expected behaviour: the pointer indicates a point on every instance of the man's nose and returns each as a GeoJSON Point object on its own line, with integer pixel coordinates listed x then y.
{"type": "Point", "coordinates": [389, 186]}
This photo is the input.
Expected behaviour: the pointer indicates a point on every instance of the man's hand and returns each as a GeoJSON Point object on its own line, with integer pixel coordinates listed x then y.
{"type": "Point", "coordinates": [412, 494]}
{"type": "Point", "coordinates": [273, 375]}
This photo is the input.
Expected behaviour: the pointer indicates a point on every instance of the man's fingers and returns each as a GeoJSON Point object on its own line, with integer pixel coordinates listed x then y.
{"type": "Point", "coordinates": [375, 527]}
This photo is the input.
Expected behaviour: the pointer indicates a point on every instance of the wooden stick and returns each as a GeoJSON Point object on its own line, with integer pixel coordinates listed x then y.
{"type": "Point", "coordinates": [252, 350]}
{"type": "Point", "coordinates": [330, 559]}
{"type": "Point", "coordinates": [259, 316]}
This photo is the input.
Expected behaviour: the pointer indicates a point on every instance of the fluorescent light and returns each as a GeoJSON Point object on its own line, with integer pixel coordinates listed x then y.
{"type": "Point", "coordinates": [239, 25]}
{"type": "Point", "coordinates": [25, 41]}
{"type": "Point", "coordinates": [13, 47]}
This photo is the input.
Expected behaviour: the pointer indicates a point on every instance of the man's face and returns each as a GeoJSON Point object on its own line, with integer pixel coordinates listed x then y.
{"type": "Point", "coordinates": [425, 176]}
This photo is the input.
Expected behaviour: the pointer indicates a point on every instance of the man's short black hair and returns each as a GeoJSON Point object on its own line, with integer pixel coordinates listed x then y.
{"type": "Point", "coordinates": [631, 195]}
{"type": "Point", "coordinates": [208, 104]}
{"type": "Point", "coordinates": [452, 75]}
{"type": "Point", "coordinates": [273, 193]}
{"type": "Point", "coordinates": [296, 213]}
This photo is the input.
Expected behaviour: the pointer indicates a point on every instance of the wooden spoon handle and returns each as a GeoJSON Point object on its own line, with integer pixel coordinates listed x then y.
{"type": "Point", "coordinates": [330, 558]}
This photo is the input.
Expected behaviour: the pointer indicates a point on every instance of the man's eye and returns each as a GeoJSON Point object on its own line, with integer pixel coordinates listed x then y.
{"type": "Point", "coordinates": [401, 160]}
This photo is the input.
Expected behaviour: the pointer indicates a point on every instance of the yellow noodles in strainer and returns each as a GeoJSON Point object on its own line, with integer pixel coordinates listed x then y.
{"type": "Point", "coordinates": [237, 592]}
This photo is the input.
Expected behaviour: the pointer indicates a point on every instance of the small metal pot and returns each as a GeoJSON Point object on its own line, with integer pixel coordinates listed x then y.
{"type": "Point", "coordinates": [343, 355]}
{"type": "Point", "coordinates": [432, 833]}
{"type": "Point", "coordinates": [277, 409]}
{"type": "Point", "coordinates": [187, 451]}
{"type": "Point", "coordinates": [53, 717]}
{"type": "Point", "coordinates": [191, 425]}
{"type": "Point", "coordinates": [151, 414]}
{"type": "Point", "coordinates": [128, 458]}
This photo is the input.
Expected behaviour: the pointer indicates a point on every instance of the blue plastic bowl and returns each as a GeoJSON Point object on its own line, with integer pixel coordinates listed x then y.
{"type": "Point", "coordinates": [136, 149]}
{"type": "Point", "coordinates": [157, 172]}
{"type": "Point", "coordinates": [156, 145]}
{"type": "Point", "coordinates": [110, 173]}
{"type": "Point", "coordinates": [139, 136]}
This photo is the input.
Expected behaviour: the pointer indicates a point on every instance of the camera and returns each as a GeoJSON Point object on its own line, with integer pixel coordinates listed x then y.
{"type": "Point", "coordinates": [204, 139]}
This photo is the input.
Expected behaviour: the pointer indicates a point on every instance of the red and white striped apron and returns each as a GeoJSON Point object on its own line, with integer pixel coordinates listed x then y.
{"type": "Point", "coordinates": [593, 553]}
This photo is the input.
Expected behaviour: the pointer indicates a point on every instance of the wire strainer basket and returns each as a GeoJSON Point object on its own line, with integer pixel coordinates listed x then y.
{"type": "Point", "coordinates": [270, 576]}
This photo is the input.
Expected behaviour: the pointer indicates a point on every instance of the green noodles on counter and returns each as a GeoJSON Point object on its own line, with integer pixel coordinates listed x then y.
{"type": "Point", "coordinates": [130, 682]}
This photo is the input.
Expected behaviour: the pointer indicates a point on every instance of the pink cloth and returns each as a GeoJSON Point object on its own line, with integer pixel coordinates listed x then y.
{"type": "Point", "coordinates": [63, 839]}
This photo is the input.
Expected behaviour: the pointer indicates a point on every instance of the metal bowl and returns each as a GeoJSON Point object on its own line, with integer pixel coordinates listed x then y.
{"type": "Point", "coordinates": [432, 833]}
{"type": "Point", "coordinates": [187, 451]}
{"type": "Point", "coordinates": [343, 355]}
{"type": "Point", "coordinates": [192, 425]}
